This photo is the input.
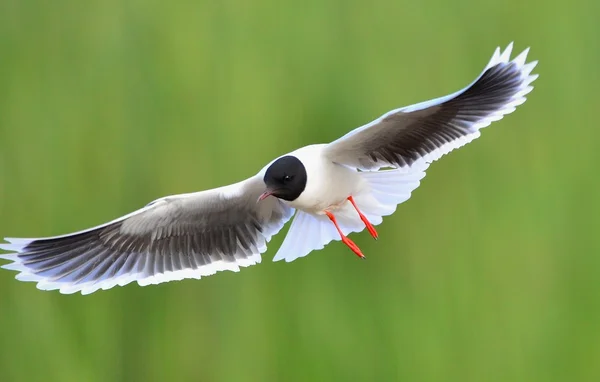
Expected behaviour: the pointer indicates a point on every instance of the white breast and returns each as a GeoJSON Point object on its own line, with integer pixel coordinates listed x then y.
{"type": "Point", "coordinates": [328, 184]}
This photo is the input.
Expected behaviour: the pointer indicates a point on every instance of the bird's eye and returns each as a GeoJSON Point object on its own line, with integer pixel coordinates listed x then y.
{"type": "Point", "coordinates": [287, 178]}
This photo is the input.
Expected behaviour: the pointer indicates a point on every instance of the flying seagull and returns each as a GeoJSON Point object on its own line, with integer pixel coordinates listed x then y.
{"type": "Point", "coordinates": [333, 189]}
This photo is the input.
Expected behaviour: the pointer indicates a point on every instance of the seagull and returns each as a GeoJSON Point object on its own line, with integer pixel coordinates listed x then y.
{"type": "Point", "coordinates": [332, 189]}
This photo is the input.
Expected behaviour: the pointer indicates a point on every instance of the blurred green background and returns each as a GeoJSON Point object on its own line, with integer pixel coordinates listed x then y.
{"type": "Point", "coordinates": [488, 273]}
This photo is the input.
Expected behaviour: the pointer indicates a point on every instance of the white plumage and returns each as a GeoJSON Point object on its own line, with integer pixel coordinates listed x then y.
{"type": "Point", "coordinates": [334, 189]}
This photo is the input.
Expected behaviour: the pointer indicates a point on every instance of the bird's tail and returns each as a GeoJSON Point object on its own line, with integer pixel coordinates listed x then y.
{"type": "Point", "coordinates": [386, 189]}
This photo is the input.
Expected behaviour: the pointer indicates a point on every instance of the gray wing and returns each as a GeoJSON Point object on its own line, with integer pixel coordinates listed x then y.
{"type": "Point", "coordinates": [177, 237]}
{"type": "Point", "coordinates": [433, 128]}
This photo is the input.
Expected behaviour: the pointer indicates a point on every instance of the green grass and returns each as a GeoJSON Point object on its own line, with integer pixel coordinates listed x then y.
{"type": "Point", "coordinates": [490, 272]}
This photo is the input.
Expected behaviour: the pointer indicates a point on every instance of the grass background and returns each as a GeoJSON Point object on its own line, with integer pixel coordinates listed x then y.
{"type": "Point", "coordinates": [488, 273]}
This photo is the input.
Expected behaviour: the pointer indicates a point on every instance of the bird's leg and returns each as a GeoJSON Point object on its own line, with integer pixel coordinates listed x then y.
{"type": "Point", "coordinates": [364, 219]}
{"type": "Point", "coordinates": [345, 239]}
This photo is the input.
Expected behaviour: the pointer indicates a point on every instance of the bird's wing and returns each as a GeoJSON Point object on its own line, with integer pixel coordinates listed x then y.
{"type": "Point", "coordinates": [176, 237]}
{"type": "Point", "coordinates": [433, 128]}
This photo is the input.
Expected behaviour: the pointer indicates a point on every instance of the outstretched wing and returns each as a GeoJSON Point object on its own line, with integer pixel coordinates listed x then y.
{"type": "Point", "coordinates": [176, 237]}
{"type": "Point", "coordinates": [433, 128]}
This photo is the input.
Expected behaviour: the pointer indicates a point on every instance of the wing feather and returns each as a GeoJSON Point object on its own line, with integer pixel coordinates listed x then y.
{"type": "Point", "coordinates": [430, 129]}
{"type": "Point", "coordinates": [180, 236]}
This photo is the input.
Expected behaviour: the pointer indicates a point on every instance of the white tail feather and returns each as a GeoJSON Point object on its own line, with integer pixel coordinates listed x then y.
{"type": "Point", "coordinates": [386, 189]}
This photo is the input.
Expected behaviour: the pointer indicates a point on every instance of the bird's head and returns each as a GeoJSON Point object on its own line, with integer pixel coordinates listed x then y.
{"type": "Point", "coordinates": [285, 178]}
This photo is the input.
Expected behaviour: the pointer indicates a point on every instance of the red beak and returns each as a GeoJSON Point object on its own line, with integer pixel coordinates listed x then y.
{"type": "Point", "coordinates": [265, 195]}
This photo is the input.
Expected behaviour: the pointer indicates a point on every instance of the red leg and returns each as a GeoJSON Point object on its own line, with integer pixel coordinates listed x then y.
{"type": "Point", "coordinates": [345, 239]}
{"type": "Point", "coordinates": [364, 219]}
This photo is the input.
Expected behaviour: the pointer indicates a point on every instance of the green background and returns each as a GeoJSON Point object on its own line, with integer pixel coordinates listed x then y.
{"type": "Point", "coordinates": [488, 273]}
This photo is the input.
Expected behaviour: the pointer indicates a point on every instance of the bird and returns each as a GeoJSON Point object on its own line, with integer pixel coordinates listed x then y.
{"type": "Point", "coordinates": [331, 190]}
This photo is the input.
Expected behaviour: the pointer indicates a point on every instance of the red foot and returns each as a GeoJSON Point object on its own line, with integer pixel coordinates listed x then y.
{"type": "Point", "coordinates": [345, 239]}
{"type": "Point", "coordinates": [368, 224]}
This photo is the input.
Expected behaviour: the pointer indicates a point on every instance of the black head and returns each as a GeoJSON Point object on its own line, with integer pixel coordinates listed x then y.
{"type": "Point", "coordinates": [285, 178]}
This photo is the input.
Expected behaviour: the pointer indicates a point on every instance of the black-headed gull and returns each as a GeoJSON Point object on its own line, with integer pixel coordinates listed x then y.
{"type": "Point", "coordinates": [334, 189]}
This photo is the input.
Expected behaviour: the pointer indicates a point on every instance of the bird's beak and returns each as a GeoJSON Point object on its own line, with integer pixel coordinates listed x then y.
{"type": "Point", "coordinates": [265, 195]}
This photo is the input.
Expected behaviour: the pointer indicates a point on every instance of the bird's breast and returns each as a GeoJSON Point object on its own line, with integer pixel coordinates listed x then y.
{"type": "Point", "coordinates": [328, 184]}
